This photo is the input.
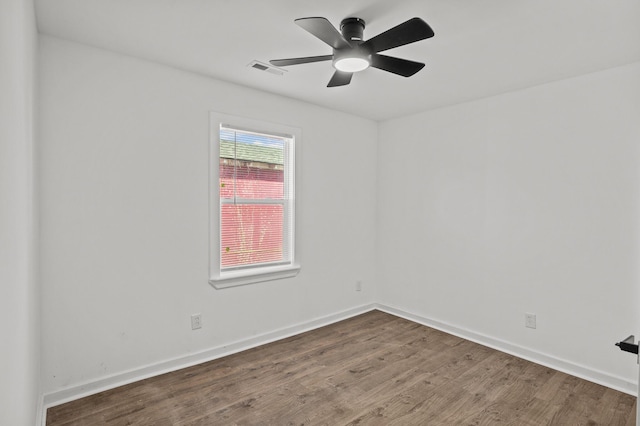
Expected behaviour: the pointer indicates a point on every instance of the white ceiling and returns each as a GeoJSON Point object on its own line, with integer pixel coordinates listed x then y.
{"type": "Point", "coordinates": [481, 47]}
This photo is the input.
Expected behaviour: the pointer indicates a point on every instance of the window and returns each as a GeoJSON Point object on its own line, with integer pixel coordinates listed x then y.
{"type": "Point", "coordinates": [252, 201]}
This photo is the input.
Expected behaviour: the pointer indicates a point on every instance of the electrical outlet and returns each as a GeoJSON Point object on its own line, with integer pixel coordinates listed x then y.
{"type": "Point", "coordinates": [530, 320]}
{"type": "Point", "coordinates": [196, 321]}
{"type": "Point", "coordinates": [359, 285]}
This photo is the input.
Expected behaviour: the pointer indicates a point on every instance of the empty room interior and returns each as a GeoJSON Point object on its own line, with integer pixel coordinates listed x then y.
{"type": "Point", "coordinates": [469, 199]}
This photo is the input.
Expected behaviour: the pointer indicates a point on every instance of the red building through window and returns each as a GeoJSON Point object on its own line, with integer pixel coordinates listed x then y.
{"type": "Point", "coordinates": [252, 194]}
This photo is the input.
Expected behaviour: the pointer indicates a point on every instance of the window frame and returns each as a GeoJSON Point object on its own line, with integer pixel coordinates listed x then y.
{"type": "Point", "coordinates": [250, 274]}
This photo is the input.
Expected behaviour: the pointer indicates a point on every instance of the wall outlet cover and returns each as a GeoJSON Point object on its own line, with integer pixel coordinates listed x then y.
{"type": "Point", "coordinates": [196, 321]}
{"type": "Point", "coordinates": [530, 320]}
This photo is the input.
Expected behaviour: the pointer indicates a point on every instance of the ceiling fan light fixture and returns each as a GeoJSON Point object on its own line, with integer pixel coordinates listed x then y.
{"type": "Point", "coordinates": [352, 54]}
{"type": "Point", "coordinates": [351, 60]}
{"type": "Point", "coordinates": [354, 64]}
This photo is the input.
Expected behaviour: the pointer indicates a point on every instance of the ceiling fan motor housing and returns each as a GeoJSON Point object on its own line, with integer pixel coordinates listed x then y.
{"type": "Point", "coordinates": [352, 29]}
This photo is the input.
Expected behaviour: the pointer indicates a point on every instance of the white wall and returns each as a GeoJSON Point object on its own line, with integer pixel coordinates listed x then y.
{"type": "Point", "coordinates": [19, 307]}
{"type": "Point", "coordinates": [525, 202]}
{"type": "Point", "coordinates": [124, 164]}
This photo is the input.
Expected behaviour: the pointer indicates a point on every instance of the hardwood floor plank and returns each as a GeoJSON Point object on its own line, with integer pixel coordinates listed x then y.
{"type": "Point", "coordinates": [536, 412]}
{"type": "Point", "coordinates": [373, 369]}
{"type": "Point", "coordinates": [611, 409]}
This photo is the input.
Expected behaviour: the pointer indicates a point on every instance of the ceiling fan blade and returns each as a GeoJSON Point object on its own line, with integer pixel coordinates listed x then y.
{"type": "Point", "coordinates": [296, 61]}
{"type": "Point", "coordinates": [322, 28]}
{"type": "Point", "coordinates": [415, 29]}
{"type": "Point", "coordinates": [398, 66]}
{"type": "Point", "coordinates": [340, 78]}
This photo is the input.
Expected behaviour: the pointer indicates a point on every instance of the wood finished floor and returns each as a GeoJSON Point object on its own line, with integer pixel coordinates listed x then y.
{"type": "Point", "coordinates": [374, 369]}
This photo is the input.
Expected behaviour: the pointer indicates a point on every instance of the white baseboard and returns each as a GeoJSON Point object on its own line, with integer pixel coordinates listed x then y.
{"type": "Point", "coordinates": [595, 376]}
{"type": "Point", "coordinates": [120, 379]}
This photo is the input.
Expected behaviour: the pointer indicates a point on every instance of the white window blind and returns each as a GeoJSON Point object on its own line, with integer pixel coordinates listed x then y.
{"type": "Point", "coordinates": [256, 178]}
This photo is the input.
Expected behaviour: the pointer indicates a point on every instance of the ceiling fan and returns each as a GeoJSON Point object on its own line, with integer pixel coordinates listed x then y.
{"type": "Point", "coordinates": [351, 53]}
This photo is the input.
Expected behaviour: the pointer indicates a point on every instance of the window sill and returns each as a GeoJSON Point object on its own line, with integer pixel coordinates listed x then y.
{"type": "Point", "coordinates": [234, 279]}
